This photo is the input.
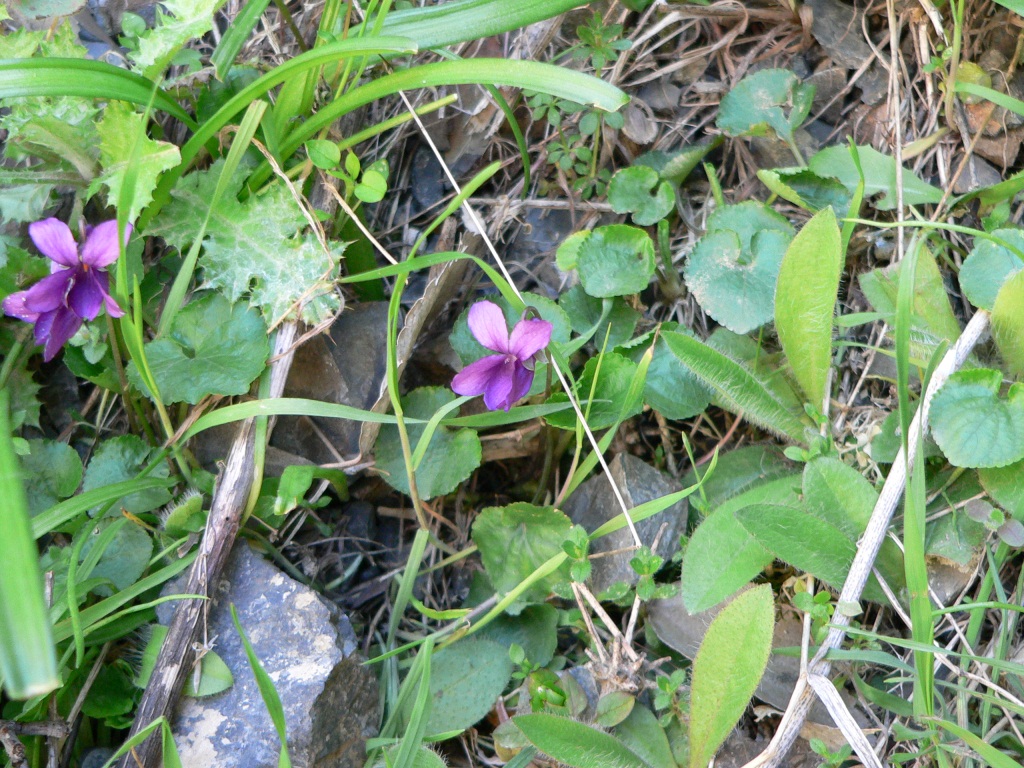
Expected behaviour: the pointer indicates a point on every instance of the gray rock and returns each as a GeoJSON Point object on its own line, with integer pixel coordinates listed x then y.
{"type": "Point", "coordinates": [837, 28]}
{"type": "Point", "coordinates": [345, 366]}
{"type": "Point", "coordinates": [329, 698]}
{"type": "Point", "coordinates": [593, 504]}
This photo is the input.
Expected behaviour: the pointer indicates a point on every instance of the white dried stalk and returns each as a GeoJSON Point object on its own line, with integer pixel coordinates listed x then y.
{"type": "Point", "coordinates": [867, 550]}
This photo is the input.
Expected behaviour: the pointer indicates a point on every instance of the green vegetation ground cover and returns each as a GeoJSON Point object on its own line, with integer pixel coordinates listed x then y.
{"type": "Point", "coordinates": [756, 312]}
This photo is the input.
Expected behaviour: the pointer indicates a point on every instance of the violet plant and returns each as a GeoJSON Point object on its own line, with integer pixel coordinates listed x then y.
{"type": "Point", "coordinates": [77, 286]}
{"type": "Point", "coordinates": [507, 376]}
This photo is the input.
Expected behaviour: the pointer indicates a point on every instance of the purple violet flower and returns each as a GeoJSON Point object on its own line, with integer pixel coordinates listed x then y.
{"type": "Point", "coordinates": [505, 377]}
{"type": "Point", "coordinates": [76, 287]}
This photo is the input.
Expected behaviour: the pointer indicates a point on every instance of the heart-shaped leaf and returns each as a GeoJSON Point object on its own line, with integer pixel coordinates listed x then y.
{"type": "Point", "coordinates": [638, 190]}
{"type": "Point", "coordinates": [450, 458]}
{"type": "Point", "coordinates": [733, 269]}
{"type": "Point", "coordinates": [989, 265]}
{"type": "Point", "coordinates": [770, 99]}
{"type": "Point", "coordinates": [213, 348]}
{"type": "Point", "coordinates": [514, 541]}
{"type": "Point", "coordinates": [975, 427]}
{"type": "Point", "coordinates": [610, 395]}
{"type": "Point", "coordinates": [671, 388]}
{"type": "Point", "coordinates": [616, 260]}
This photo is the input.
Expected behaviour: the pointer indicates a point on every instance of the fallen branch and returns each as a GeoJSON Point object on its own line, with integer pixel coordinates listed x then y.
{"type": "Point", "coordinates": [867, 551]}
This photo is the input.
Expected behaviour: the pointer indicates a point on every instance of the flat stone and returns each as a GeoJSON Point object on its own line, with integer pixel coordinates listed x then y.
{"type": "Point", "coordinates": [345, 366]}
{"type": "Point", "coordinates": [837, 28]}
{"type": "Point", "coordinates": [593, 504]}
{"type": "Point", "coordinates": [309, 650]}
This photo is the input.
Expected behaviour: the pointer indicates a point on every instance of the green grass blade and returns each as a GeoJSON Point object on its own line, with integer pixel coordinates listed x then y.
{"type": "Point", "coordinates": [59, 514]}
{"type": "Point", "coordinates": [267, 690]}
{"type": "Point", "coordinates": [27, 658]}
{"type": "Point", "coordinates": [235, 36]}
{"type": "Point", "coordinates": [460, 21]}
{"type": "Point", "coordinates": [530, 75]}
{"type": "Point", "coordinates": [85, 78]}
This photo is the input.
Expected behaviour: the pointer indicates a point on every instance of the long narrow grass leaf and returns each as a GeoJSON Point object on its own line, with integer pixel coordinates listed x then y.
{"type": "Point", "coordinates": [27, 658]}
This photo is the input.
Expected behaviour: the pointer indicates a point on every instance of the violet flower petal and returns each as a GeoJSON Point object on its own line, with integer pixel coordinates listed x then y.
{"type": "Point", "coordinates": [499, 388]}
{"type": "Point", "coordinates": [43, 325]}
{"type": "Point", "coordinates": [55, 241]}
{"type": "Point", "coordinates": [522, 380]}
{"type": "Point", "coordinates": [14, 305]}
{"type": "Point", "coordinates": [65, 324]}
{"type": "Point", "coordinates": [86, 294]}
{"type": "Point", "coordinates": [101, 248]}
{"type": "Point", "coordinates": [487, 323]}
{"type": "Point", "coordinates": [474, 379]}
{"type": "Point", "coordinates": [50, 292]}
{"type": "Point", "coordinates": [529, 337]}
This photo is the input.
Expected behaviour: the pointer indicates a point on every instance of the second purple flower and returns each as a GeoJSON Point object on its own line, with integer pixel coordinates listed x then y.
{"type": "Point", "coordinates": [505, 377]}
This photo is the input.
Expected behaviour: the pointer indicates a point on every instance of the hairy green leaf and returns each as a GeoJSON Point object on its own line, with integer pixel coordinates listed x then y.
{"type": "Point", "coordinates": [1008, 323]}
{"type": "Point", "coordinates": [615, 260]}
{"type": "Point", "coordinates": [575, 744]}
{"type": "Point", "coordinates": [729, 665]}
{"type": "Point", "coordinates": [879, 176]}
{"type": "Point", "coordinates": [805, 299]}
{"type": "Point", "coordinates": [739, 389]}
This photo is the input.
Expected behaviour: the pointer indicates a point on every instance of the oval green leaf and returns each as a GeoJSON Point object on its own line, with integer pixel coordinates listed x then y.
{"type": "Point", "coordinates": [805, 300]}
{"type": "Point", "coordinates": [771, 98]}
{"type": "Point", "coordinates": [729, 665]}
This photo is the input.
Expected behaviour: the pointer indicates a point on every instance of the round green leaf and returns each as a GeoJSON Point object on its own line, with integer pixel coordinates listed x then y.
{"type": "Point", "coordinates": [610, 396]}
{"type": "Point", "coordinates": [988, 266]}
{"type": "Point", "coordinates": [771, 98]}
{"type": "Point", "coordinates": [973, 425]}
{"type": "Point", "coordinates": [514, 541]}
{"type": "Point", "coordinates": [213, 348]}
{"type": "Point", "coordinates": [323, 154]}
{"type": "Point", "coordinates": [639, 191]}
{"type": "Point", "coordinates": [733, 269]}
{"type": "Point", "coordinates": [124, 559]}
{"type": "Point", "coordinates": [465, 680]}
{"type": "Point", "coordinates": [51, 472]}
{"type": "Point", "coordinates": [451, 455]}
{"type": "Point", "coordinates": [1006, 487]}
{"type": "Point", "coordinates": [616, 260]}
{"type": "Point", "coordinates": [585, 312]}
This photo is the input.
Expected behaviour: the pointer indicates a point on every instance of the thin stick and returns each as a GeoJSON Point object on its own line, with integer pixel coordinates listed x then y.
{"type": "Point", "coordinates": [867, 551]}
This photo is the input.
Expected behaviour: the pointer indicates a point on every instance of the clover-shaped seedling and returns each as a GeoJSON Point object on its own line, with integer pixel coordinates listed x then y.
{"type": "Point", "coordinates": [1007, 529]}
{"type": "Point", "coordinates": [640, 192]}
